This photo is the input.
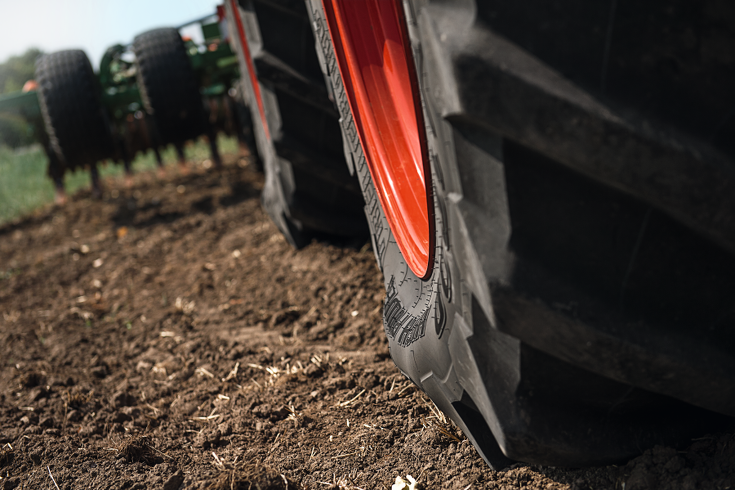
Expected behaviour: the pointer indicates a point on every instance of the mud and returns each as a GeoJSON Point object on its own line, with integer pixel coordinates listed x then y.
{"type": "Point", "coordinates": [167, 337]}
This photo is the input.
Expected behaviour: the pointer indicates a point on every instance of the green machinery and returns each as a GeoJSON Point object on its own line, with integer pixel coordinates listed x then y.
{"type": "Point", "coordinates": [134, 121]}
{"type": "Point", "coordinates": [23, 107]}
{"type": "Point", "coordinates": [214, 64]}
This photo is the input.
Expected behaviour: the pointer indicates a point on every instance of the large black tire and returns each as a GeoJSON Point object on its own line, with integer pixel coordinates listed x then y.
{"type": "Point", "coordinates": [574, 314]}
{"type": "Point", "coordinates": [168, 85]}
{"type": "Point", "coordinates": [73, 115]}
{"type": "Point", "coordinates": [244, 122]}
{"type": "Point", "coordinates": [308, 190]}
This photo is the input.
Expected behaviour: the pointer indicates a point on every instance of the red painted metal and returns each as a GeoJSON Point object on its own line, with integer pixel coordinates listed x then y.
{"type": "Point", "coordinates": [374, 56]}
{"type": "Point", "coordinates": [251, 66]}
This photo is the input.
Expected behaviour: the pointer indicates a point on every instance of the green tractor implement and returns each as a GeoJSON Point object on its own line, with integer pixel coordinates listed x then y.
{"type": "Point", "coordinates": [134, 102]}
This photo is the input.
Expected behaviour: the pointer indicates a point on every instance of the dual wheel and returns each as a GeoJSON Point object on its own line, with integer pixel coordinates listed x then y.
{"type": "Point", "coordinates": [560, 312]}
{"type": "Point", "coordinates": [76, 120]}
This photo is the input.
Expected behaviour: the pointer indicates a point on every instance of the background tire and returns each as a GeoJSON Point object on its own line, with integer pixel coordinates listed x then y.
{"type": "Point", "coordinates": [510, 335]}
{"type": "Point", "coordinates": [308, 189]}
{"type": "Point", "coordinates": [168, 85]}
{"type": "Point", "coordinates": [73, 115]}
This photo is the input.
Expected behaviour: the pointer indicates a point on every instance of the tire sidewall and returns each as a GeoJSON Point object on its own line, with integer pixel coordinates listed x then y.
{"type": "Point", "coordinates": [418, 313]}
{"type": "Point", "coordinates": [168, 85]}
{"type": "Point", "coordinates": [80, 134]}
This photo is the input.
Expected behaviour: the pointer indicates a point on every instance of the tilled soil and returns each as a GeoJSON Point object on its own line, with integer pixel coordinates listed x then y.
{"type": "Point", "coordinates": [167, 337]}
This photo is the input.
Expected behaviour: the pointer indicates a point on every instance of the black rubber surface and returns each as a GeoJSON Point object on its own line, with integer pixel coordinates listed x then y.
{"type": "Point", "coordinates": [168, 85]}
{"type": "Point", "coordinates": [636, 54]}
{"type": "Point", "coordinates": [244, 122]}
{"type": "Point", "coordinates": [69, 95]}
{"type": "Point", "coordinates": [575, 314]}
{"type": "Point", "coordinates": [309, 190]}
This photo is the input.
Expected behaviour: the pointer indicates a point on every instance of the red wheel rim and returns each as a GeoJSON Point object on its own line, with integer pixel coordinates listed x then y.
{"type": "Point", "coordinates": [374, 56]}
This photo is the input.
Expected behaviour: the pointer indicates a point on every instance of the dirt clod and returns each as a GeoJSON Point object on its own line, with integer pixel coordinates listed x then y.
{"type": "Point", "coordinates": [174, 481]}
{"type": "Point", "coordinates": [134, 449]}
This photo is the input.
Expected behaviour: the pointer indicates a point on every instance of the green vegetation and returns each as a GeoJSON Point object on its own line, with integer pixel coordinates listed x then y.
{"type": "Point", "coordinates": [17, 70]}
{"type": "Point", "coordinates": [24, 185]}
{"type": "Point", "coordinates": [14, 72]}
{"type": "Point", "coordinates": [15, 131]}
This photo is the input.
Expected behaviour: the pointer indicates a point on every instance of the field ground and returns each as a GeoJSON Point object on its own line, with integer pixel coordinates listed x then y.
{"type": "Point", "coordinates": [167, 337]}
{"type": "Point", "coordinates": [25, 187]}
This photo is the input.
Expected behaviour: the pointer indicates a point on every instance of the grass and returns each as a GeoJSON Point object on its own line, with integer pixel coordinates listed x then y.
{"type": "Point", "coordinates": [24, 185]}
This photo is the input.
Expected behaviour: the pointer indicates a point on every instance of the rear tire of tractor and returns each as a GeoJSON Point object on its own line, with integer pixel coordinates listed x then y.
{"type": "Point", "coordinates": [244, 124]}
{"type": "Point", "coordinates": [168, 85]}
{"type": "Point", "coordinates": [479, 334]}
{"type": "Point", "coordinates": [308, 191]}
{"type": "Point", "coordinates": [73, 115]}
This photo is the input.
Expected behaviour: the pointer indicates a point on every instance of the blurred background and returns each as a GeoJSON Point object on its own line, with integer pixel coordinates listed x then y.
{"type": "Point", "coordinates": [31, 28]}
{"type": "Point", "coordinates": [91, 25]}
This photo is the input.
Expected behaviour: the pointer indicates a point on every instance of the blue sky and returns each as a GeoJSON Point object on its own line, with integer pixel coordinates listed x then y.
{"type": "Point", "coordinates": [92, 25]}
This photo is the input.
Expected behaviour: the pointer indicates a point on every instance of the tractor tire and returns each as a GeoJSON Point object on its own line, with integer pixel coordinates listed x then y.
{"type": "Point", "coordinates": [168, 85]}
{"type": "Point", "coordinates": [573, 315]}
{"type": "Point", "coordinates": [308, 189]}
{"type": "Point", "coordinates": [244, 123]}
{"type": "Point", "coordinates": [73, 115]}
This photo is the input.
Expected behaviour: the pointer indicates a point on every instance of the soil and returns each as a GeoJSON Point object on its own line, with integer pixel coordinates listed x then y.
{"type": "Point", "coordinates": [167, 337]}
